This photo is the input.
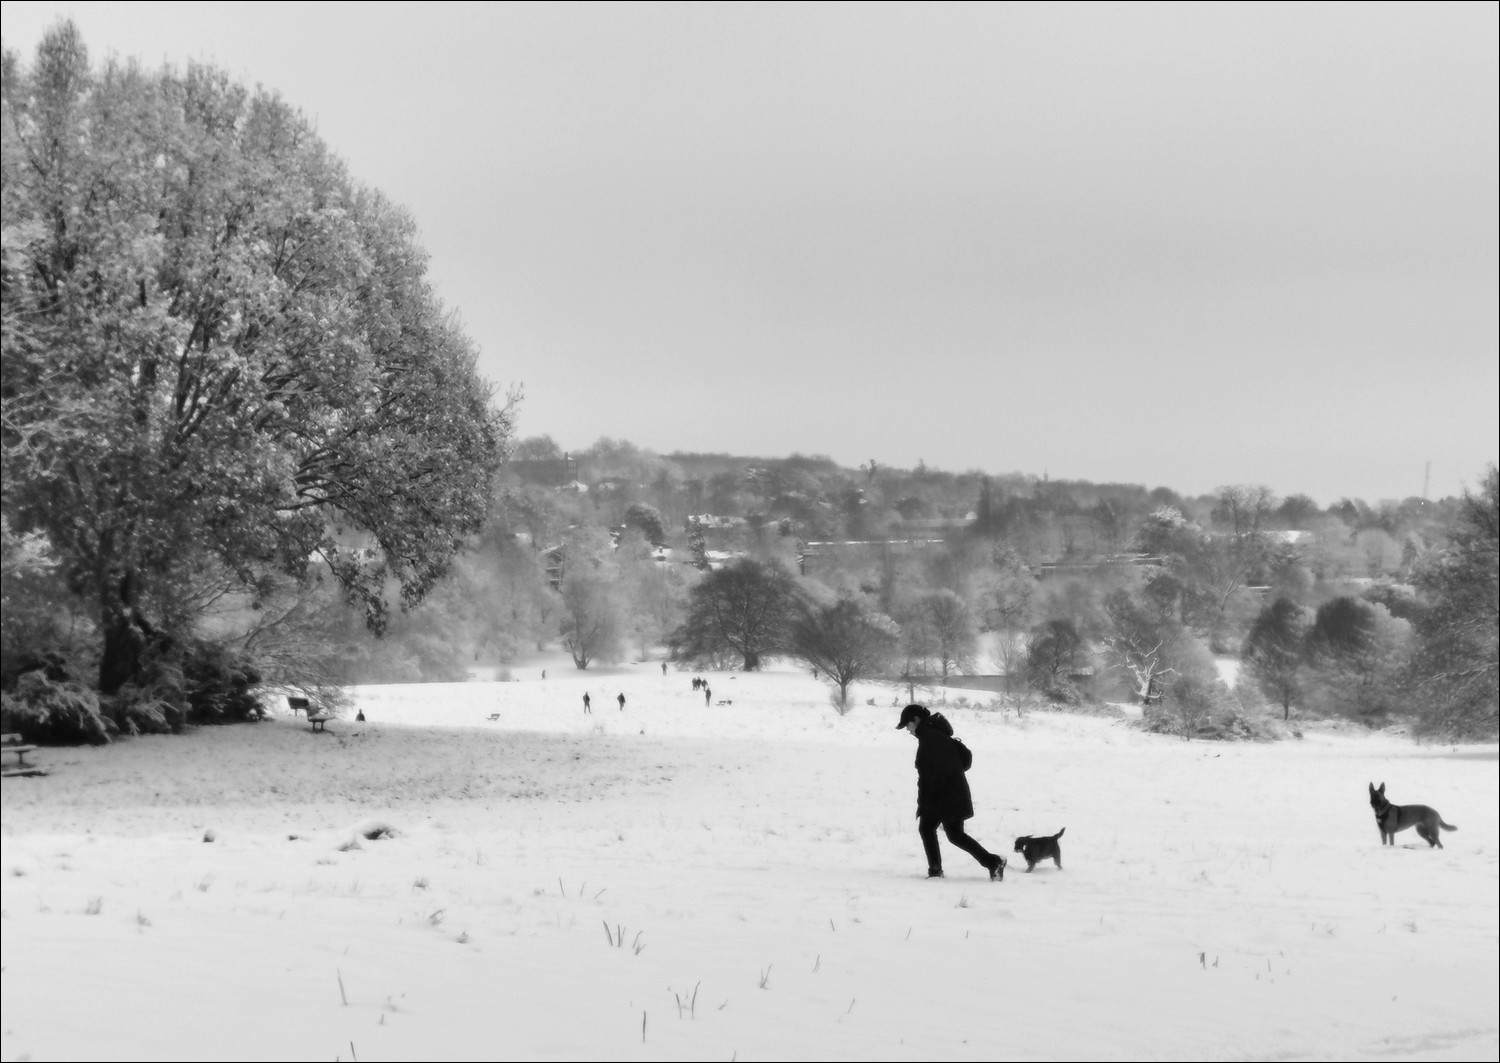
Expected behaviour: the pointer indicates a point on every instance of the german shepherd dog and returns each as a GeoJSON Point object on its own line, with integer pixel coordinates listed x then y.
{"type": "Point", "coordinates": [1392, 818]}
{"type": "Point", "coordinates": [1035, 850]}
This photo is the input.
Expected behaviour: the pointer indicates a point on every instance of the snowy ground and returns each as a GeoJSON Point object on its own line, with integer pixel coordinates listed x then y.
{"type": "Point", "coordinates": [736, 881]}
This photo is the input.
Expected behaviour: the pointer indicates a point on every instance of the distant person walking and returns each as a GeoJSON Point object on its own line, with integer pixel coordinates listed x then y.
{"type": "Point", "coordinates": [621, 700]}
{"type": "Point", "coordinates": [707, 695]}
{"type": "Point", "coordinates": [663, 667]}
{"type": "Point", "coordinates": [943, 797]}
{"type": "Point", "coordinates": [587, 705]}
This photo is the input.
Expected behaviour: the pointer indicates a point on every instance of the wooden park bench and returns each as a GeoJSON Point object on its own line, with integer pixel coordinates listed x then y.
{"type": "Point", "coordinates": [318, 719]}
{"type": "Point", "coordinates": [12, 745]}
{"type": "Point", "coordinates": [298, 705]}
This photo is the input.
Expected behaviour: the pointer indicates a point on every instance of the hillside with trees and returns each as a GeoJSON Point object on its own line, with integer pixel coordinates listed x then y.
{"type": "Point", "coordinates": [1044, 592]}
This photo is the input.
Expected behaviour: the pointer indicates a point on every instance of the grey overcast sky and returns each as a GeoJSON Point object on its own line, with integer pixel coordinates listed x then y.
{"type": "Point", "coordinates": [1176, 244]}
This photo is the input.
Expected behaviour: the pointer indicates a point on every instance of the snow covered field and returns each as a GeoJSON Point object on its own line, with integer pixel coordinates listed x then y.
{"type": "Point", "coordinates": [737, 881]}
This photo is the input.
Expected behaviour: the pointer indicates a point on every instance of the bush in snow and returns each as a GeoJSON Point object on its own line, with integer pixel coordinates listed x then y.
{"type": "Point", "coordinates": [42, 709]}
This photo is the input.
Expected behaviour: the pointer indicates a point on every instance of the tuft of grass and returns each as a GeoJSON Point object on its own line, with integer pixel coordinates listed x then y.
{"type": "Point", "coordinates": [765, 978]}
{"type": "Point", "coordinates": [436, 918]}
{"type": "Point", "coordinates": [421, 883]}
{"type": "Point", "coordinates": [203, 883]}
{"type": "Point", "coordinates": [95, 906]}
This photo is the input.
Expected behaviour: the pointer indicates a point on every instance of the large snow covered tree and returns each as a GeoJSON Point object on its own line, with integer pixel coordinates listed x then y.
{"type": "Point", "coordinates": [219, 350]}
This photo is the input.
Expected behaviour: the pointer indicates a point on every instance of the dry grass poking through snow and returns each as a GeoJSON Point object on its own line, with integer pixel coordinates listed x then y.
{"type": "Point", "coordinates": [248, 770]}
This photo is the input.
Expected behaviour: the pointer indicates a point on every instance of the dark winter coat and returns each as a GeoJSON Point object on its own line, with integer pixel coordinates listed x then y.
{"type": "Point", "coordinates": [942, 790]}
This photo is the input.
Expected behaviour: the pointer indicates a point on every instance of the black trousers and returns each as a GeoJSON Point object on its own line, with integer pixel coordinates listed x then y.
{"type": "Point", "coordinates": [927, 827]}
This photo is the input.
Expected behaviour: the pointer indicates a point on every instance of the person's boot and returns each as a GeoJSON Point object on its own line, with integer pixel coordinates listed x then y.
{"type": "Point", "coordinates": [934, 872]}
{"type": "Point", "coordinates": [997, 869]}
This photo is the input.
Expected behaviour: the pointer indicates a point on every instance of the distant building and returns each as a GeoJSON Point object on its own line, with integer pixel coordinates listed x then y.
{"type": "Point", "coordinates": [812, 553]}
{"type": "Point", "coordinates": [1049, 569]}
{"type": "Point", "coordinates": [932, 527]}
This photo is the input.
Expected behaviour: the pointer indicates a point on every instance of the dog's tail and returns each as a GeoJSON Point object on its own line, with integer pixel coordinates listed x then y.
{"type": "Point", "coordinates": [1445, 826]}
{"type": "Point", "coordinates": [1059, 834]}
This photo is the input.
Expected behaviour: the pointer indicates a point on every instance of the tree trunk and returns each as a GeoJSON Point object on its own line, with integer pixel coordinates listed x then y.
{"type": "Point", "coordinates": [752, 661]}
{"type": "Point", "coordinates": [123, 646]}
{"type": "Point", "coordinates": [127, 635]}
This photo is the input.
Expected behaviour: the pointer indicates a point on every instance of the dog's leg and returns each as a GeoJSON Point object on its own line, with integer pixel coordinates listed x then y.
{"type": "Point", "coordinates": [1057, 859]}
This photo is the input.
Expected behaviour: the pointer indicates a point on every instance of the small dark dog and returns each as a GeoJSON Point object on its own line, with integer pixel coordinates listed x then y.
{"type": "Point", "coordinates": [1035, 850]}
{"type": "Point", "coordinates": [1392, 818]}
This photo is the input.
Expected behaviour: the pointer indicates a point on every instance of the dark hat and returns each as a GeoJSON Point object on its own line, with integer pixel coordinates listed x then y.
{"type": "Point", "coordinates": [912, 712]}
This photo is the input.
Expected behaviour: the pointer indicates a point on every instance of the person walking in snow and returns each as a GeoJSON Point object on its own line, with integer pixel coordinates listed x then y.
{"type": "Point", "coordinates": [587, 705]}
{"type": "Point", "coordinates": [943, 798]}
{"type": "Point", "coordinates": [621, 700]}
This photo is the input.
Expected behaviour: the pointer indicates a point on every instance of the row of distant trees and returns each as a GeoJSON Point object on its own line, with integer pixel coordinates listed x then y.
{"type": "Point", "coordinates": [1110, 630]}
{"type": "Point", "coordinates": [815, 499]}
{"type": "Point", "coordinates": [1430, 645]}
{"type": "Point", "coordinates": [1426, 648]}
